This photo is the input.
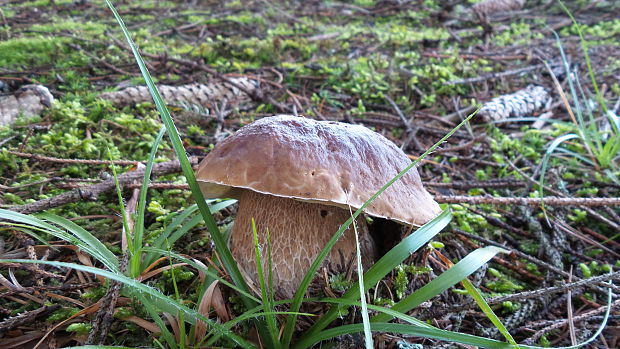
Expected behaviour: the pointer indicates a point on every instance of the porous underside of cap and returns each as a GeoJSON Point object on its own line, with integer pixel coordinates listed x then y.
{"type": "Point", "coordinates": [318, 161]}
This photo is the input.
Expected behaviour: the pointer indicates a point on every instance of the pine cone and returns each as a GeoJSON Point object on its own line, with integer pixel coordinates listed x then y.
{"type": "Point", "coordinates": [521, 103]}
{"type": "Point", "coordinates": [29, 100]}
{"type": "Point", "coordinates": [486, 8]}
{"type": "Point", "coordinates": [197, 94]}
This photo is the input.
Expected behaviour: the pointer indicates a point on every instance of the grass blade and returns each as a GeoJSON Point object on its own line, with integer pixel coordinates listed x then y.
{"type": "Point", "coordinates": [584, 47]}
{"type": "Point", "coordinates": [475, 294]}
{"type": "Point", "coordinates": [389, 311]}
{"type": "Point", "coordinates": [136, 286]}
{"type": "Point", "coordinates": [121, 205]}
{"type": "Point", "coordinates": [180, 225]}
{"type": "Point", "coordinates": [433, 333]}
{"type": "Point", "coordinates": [154, 312]}
{"type": "Point", "coordinates": [134, 263]}
{"type": "Point", "coordinates": [267, 306]}
{"type": "Point", "coordinates": [180, 151]}
{"type": "Point", "coordinates": [177, 221]}
{"type": "Point", "coordinates": [362, 294]}
{"type": "Point", "coordinates": [545, 162]}
{"type": "Point", "coordinates": [218, 239]}
{"type": "Point", "coordinates": [386, 264]}
{"type": "Point", "coordinates": [486, 309]}
{"type": "Point", "coordinates": [102, 254]}
{"type": "Point", "coordinates": [100, 347]}
{"type": "Point", "coordinates": [77, 235]}
{"type": "Point", "coordinates": [200, 267]}
{"type": "Point", "coordinates": [447, 279]}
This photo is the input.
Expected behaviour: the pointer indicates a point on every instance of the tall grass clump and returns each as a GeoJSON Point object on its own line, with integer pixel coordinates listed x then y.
{"type": "Point", "coordinates": [595, 125]}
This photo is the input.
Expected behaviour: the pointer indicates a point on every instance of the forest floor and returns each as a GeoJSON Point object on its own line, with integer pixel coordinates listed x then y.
{"type": "Point", "coordinates": [410, 70]}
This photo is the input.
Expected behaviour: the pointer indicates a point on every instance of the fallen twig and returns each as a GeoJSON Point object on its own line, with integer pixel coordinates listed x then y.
{"type": "Point", "coordinates": [457, 199]}
{"type": "Point", "coordinates": [532, 259]}
{"type": "Point", "coordinates": [92, 192]}
{"type": "Point", "coordinates": [560, 323]}
{"type": "Point", "coordinates": [499, 183]}
{"type": "Point", "coordinates": [547, 200]}
{"type": "Point", "coordinates": [520, 297]}
{"type": "Point", "coordinates": [73, 161]}
{"type": "Point", "coordinates": [25, 318]}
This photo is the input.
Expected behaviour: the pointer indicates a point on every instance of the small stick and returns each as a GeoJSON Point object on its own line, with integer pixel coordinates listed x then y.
{"type": "Point", "coordinates": [25, 318]}
{"type": "Point", "coordinates": [547, 200]}
{"type": "Point", "coordinates": [92, 192]}
{"type": "Point", "coordinates": [74, 161]}
{"type": "Point", "coordinates": [563, 322]}
{"type": "Point", "coordinates": [519, 297]}
{"type": "Point", "coordinates": [531, 259]}
{"type": "Point", "coordinates": [499, 183]}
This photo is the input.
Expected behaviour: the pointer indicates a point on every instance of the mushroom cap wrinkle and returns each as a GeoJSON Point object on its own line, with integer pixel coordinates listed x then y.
{"type": "Point", "coordinates": [326, 162]}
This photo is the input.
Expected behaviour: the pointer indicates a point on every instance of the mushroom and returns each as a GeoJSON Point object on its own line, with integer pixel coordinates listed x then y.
{"type": "Point", "coordinates": [298, 178]}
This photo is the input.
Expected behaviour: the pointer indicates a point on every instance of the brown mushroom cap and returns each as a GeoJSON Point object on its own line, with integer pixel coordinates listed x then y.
{"type": "Point", "coordinates": [326, 162]}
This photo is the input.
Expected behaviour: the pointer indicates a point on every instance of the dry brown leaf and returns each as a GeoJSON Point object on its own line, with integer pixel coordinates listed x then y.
{"type": "Point", "coordinates": [85, 259]}
{"type": "Point", "coordinates": [14, 342]}
{"type": "Point", "coordinates": [203, 309]}
{"type": "Point", "coordinates": [173, 321]}
{"type": "Point", "coordinates": [219, 304]}
{"type": "Point", "coordinates": [201, 274]}
{"type": "Point", "coordinates": [154, 264]}
{"type": "Point", "coordinates": [152, 273]}
{"type": "Point", "coordinates": [147, 325]}
{"type": "Point", "coordinates": [66, 299]}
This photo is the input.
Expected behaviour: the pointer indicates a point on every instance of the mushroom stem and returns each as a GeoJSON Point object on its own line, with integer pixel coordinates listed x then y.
{"type": "Point", "coordinates": [298, 232]}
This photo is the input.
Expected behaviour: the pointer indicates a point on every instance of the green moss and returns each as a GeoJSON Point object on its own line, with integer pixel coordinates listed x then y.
{"type": "Point", "coordinates": [86, 28]}
{"type": "Point", "coordinates": [364, 3]}
{"type": "Point", "coordinates": [62, 314]}
{"type": "Point", "coordinates": [39, 51]}
{"type": "Point", "coordinates": [7, 13]}
{"type": "Point", "coordinates": [171, 276]}
{"type": "Point", "coordinates": [339, 282]}
{"type": "Point", "coordinates": [401, 282]}
{"type": "Point", "coordinates": [469, 221]}
{"type": "Point", "coordinates": [502, 283]}
{"type": "Point", "coordinates": [518, 33]}
{"type": "Point", "coordinates": [42, 3]}
{"type": "Point", "coordinates": [602, 29]}
{"type": "Point", "coordinates": [79, 328]}
{"type": "Point", "coordinates": [95, 294]}
{"type": "Point", "coordinates": [400, 34]}
{"type": "Point", "coordinates": [509, 307]}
